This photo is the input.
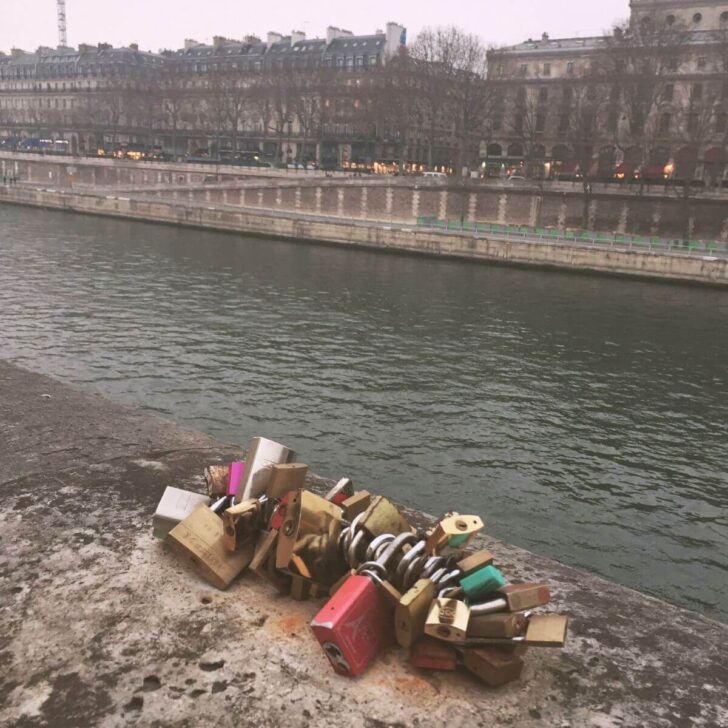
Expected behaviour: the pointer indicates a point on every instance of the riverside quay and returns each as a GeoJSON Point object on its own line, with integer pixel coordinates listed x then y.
{"type": "Point", "coordinates": [646, 103]}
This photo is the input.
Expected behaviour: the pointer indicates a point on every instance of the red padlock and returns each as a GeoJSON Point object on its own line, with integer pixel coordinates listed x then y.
{"type": "Point", "coordinates": [432, 654]}
{"type": "Point", "coordinates": [279, 514]}
{"type": "Point", "coordinates": [354, 625]}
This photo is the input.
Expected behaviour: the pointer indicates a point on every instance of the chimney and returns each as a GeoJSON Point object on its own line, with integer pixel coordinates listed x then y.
{"type": "Point", "coordinates": [218, 41]}
{"type": "Point", "coordinates": [346, 33]}
{"type": "Point", "coordinates": [17, 52]}
{"type": "Point", "coordinates": [85, 48]}
{"type": "Point", "coordinates": [545, 37]}
{"type": "Point", "coordinates": [252, 39]}
{"type": "Point", "coordinates": [297, 36]}
{"type": "Point", "coordinates": [190, 43]}
{"type": "Point", "coordinates": [134, 46]}
{"type": "Point", "coordinates": [274, 38]}
{"type": "Point", "coordinates": [396, 38]}
{"type": "Point", "coordinates": [44, 51]}
{"type": "Point", "coordinates": [332, 32]}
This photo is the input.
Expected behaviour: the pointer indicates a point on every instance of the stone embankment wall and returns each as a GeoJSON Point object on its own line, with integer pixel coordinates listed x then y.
{"type": "Point", "coordinates": [301, 228]}
{"type": "Point", "coordinates": [388, 199]}
{"type": "Point", "coordinates": [102, 625]}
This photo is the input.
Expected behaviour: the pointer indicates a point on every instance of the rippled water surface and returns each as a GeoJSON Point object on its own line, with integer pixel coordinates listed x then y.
{"type": "Point", "coordinates": [585, 418]}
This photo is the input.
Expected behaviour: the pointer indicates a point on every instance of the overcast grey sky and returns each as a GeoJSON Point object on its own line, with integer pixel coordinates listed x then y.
{"type": "Point", "coordinates": [155, 24]}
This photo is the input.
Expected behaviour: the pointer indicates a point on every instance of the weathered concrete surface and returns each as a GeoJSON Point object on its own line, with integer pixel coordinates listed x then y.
{"type": "Point", "coordinates": [102, 625]}
{"type": "Point", "coordinates": [376, 235]}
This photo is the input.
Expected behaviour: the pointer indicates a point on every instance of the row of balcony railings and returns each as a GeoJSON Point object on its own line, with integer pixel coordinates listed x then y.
{"type": "Point", "coordinates": [712, 248]}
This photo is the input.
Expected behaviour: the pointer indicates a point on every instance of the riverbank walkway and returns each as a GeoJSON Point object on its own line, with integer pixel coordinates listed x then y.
{"type": "Point", "coordinates": [102, 625]}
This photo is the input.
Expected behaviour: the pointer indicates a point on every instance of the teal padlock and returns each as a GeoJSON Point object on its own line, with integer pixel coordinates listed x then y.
{"type": "Point", "coordinates": [482, 582]}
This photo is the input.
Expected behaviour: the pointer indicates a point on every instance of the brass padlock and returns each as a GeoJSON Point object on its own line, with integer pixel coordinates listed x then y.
{"type": "Point", "coordinates": [284, 478]}
{"type": "Point", "coordinates": [474, 562]}
{"type": "Point", "coordinates": [520, 597]}
{"type": "Point", "coordinates": [546, 630]}
{"type": "Point", "coordinates": [200, 539]}
{"type": "Point", "coordinates": [356, 504]}
{"type": "Point", "coordinates": [381, 517]}
{"type": "Point", "coordinates": [496, 625]}
{"type": "Point", "coordinates": [262, 455]}
{"type": "Point", "coordinates": [455, 531]}
{"type": "Point", "coordinates": [310, 530]}
{"type": "Point", "coordinates": [266, 548]}
{"type": "Point", "coordinates": [411, 613]}
{"type": "Point", "coordinates": [493, 666]}
{"type": "Point", "coordinates": [217, 478]}
{"type": "Point", "coordinates": [240, 523]}
{"type": "Point", "coordinates": [448, 620]}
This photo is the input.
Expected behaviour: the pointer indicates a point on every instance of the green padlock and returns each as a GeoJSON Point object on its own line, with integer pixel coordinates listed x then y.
{"type": "Point", "coordinates": [482, 582]}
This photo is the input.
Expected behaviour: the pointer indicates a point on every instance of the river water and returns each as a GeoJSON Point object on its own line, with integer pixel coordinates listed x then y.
{"type": "Point", "coordinates": [584, 418]}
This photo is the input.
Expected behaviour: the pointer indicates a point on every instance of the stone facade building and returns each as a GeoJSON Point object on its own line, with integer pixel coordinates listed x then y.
{"type": "Point", "coordinates": [649, 101]}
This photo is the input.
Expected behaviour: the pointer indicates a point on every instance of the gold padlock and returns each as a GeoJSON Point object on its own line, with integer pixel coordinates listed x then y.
{"type": "Point", "coordinates": [411, 613]}
{"type": "Point", "coordinates": [217, 478]}
{"type": "Point", "coordinates": [266, 548]}
{"type": "Point", "coordinates": [284, 478]}
{"type": "Point", "coordinates": [448, 620]}
{"type": "Point", "coordinates": [200, 540]}
{"type": "Point", "coordinates": [546, 630]}
{"type": "Point", "coordinates": [474, 562]}
{"type": "Point", "coordinates": [356, 504]}
{"type": "Point", "coordinates": [240, 523]}
{"type": "Point", "coordinates": [455, 531]}
{"type": "Point", "coordinates": [311, 531]}
{"type": "Point", "coordinates": [496, 625]}
{"type": "Point", "coordinates": [493, 666]}
{"type": "Point", "coordinates": [382, 516]}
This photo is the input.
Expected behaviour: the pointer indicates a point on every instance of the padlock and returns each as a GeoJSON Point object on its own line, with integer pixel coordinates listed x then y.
{"type": "Point", "coordinates": [240, 523]}
{"type": "Point", "coordinates": [200, 539]}
{"type": "Point", "coordinates": [217, 479]}
{"type": "Point", "coordinates": [381, 517]}
{"type": "Point", "coordinates": [542, 630]}
{"type": "Point", "coordinates": [411, 613]}
{"type": "Point", "coordinates": [505, 624]}
{"type": "Point", "coordinates": [311, 530]}
{"type": "Point", "coordinates": [237, 470]}
{"type": "Point", "coordinates": [493, 666]}
{"type": "Point", "coordinates": [340, 492]}
{"type": "Point", "coordinates": [266, 548]}
{"type": "Point", "coordinates": [475, 562]}
{"type": "Point", "coordinates": [356, 504]}
{"type": "Point", "coordinates": [448, 620]}
{"type": "Point", "coordinates": [353, 625]}
{"type": "Point", "coordinates": [285, 478]}
{"type": "Point", "coordinates": [300, 588]}
{"type": "Point", "coordinates": [431, 654]}
{"type": "Point", "coordinates": [262, 455]}
{"type": "Point", "coordinates": [455, 531]}
{"type": "Point", "coordinates": [174, 506]}
{"type": "Point", "coordinates": [279, 513]}
{"type": "Point", "coordinates": [483, 582]}
{"type": "Point", "coordinates": [525, 596]}
{"type": "Point", "coordinates": [546, 630]}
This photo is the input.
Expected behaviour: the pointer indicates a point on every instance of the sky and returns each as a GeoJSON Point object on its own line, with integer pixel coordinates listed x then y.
{"type": "Point", "coordinates": [156, 24]}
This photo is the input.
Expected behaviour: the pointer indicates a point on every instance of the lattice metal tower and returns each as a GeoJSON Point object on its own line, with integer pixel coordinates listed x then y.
{"type": "Point", "coordinates": [62, 37]}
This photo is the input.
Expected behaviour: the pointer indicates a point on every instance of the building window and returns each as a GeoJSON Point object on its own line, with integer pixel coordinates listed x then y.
{"type": "Point", "coordinates": [665, 121]}
{"type": "Point", "coordinates": [697, 18]}
{"type": "Point", "coordinates": [546, 69]}
{"type": "Point", "coordinates": [563, 123]}
{"type": "Point", "coordinates": [721, 123]}
{"type": "Point", "coordinates": [540, 121]}
{"type": "Point", "coordinates": [697, 91]}
{"type": "Point", "coordinates": [702, 62]}
{"type": "Point", "coordinates": [523, 70]}
{"type": "Point", "coordinates": [724, 17]}
{"type": "Point", "coordinates": [669, 92]}
{"type": "Point", "coordinates": [570, 68]}
{"type": "Point", "coordinates": [543, 95]}
{"type": "Point", "coordinates": [670, 20]}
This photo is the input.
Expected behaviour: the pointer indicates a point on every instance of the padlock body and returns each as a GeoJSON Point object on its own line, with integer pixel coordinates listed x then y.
{"type": "Point", "coordinates": [493, 666]}
{"type": "Point", "coordinates": [431, 654]}
{"type": "Point", "coordinates": [353, 625]}
{"type": "Point", "coordinates": [482, 582]}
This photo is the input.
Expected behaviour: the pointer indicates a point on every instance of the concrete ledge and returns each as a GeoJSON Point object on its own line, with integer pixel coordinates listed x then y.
{"type": "Point", "coordinates": [644, 264]}
{"type": "Point", "coordinates": [102, 625]}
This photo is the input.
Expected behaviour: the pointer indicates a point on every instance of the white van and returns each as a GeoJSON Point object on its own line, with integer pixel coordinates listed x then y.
{"type": "Point", "coordinates": [435, 175]}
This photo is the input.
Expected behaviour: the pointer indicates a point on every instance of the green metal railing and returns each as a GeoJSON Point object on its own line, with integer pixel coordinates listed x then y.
{"type": "Point", "coordinates": [584, 237]}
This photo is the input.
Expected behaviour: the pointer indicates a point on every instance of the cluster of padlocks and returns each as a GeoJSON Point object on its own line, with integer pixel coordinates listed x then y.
{"type": "Point", "coordinates": [383, 580]}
